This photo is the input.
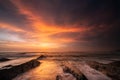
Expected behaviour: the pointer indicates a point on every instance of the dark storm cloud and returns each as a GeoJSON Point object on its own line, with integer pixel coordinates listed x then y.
{"type": "Point", "coordinates": [102, 16]}
{"type": "Point", "coordinates": [72, 11]}
{"type": "Point", "coordinates": [61, 11]}
{"type": "Point", "coordinates": [9, 14]}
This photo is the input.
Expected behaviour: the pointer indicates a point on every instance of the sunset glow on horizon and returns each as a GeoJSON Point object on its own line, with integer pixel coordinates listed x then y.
{"type": "Point", "coordinates": [58, 25]}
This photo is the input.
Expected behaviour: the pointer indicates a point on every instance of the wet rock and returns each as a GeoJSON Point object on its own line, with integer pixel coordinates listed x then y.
{"type": "Point", "coordinates": [66, 76]}
{"type": "Point", "coordinates": [41, 57]}
{"type": "Point", "coordinates": [78, 76]}
{"type": "Point", "coordinates": [10, 73]}
{"type": "Point", "coordinates": [6, 67]}
{"type": "Point", "coordinates": [112, 69]}
{"type": "Point", "coordinates": [58, 77]}
{"type": "Point", "coordinates": [118, 50]}
{"type": "Point", "coordinates": [2, 59]}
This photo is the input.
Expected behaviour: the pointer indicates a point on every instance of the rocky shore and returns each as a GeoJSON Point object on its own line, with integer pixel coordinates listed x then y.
{"type": "Point", "coordinates": [3, 59]}
{"type": "Point", "coordinates": [112, 69]}
{"type": "Point", "coordinates": [9, 72]}
{"type": "Point", "coordinates": [77, 75]}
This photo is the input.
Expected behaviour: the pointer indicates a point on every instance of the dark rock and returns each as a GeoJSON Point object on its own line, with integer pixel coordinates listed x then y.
{"type": "Point", "coordinates": [10, 73]}
{"type": "Point", "coordinates": [116, 63]}
{"type": "Point", "coordinates": [112, 69]}
{"type": "Point", "coordinates": [8, 66]}
{"type": "Point", "coordinates": [118, 50]}
{"type": "Point", "coordinates": [23, 53]}
{"type": "Point", "coordinates": [2, 59]}
{"type": "Point", "coordinates": [58, 77]}
{"type": "Point", "coordinates": [79, 76]}
{"type": "Point", "coordinates": [41, 57]}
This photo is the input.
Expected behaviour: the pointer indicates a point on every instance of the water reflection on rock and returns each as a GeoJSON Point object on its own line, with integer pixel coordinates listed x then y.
{"type": "Point", "coordinates": [48, 70]}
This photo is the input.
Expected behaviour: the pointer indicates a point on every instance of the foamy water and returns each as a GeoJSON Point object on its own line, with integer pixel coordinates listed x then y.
{"type": "Point", "coordinates": [51, 66]}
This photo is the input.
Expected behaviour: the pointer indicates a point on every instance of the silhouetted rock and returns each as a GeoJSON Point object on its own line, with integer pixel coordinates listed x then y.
{"type": "Point", "coordinates": [118, 50]}
{"type": "Point", "coordinates": [2, 59]}
{"type": "Point", "coordinates": [9, 72]}
{"type": "Point", "coordinates": [41, 57]}
{"type": "Point", "coordinates": [22, 53]}
{"type": "Point", "coordinates": [112, 69]}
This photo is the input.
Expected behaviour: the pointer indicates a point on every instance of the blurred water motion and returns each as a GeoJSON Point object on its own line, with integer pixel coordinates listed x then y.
{"type": "Point", "coordinates": [51, 66]}
{"type": "Point", "coordinates": [48, 70]}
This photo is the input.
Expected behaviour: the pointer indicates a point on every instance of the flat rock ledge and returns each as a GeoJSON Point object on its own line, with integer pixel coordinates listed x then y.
{"type": "Point", "coordinates": [11, 72]}
{"type": "Point", "coordinates": [112, 69]}
{"type": "Point", "coordinates": [78, 75]}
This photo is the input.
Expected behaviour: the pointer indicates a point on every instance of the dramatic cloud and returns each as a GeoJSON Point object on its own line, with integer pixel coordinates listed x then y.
{"type": "Point", "coordinates": [60, 24]}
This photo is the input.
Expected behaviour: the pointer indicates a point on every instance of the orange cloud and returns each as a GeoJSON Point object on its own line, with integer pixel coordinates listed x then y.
{"type": "Point", "coordinates": [10, 27]}
{"type": "Point", "coordinates": [40, 38]}
{"type": "Point", "coordinates": [41, 35]}
{"type": "Point", "coordinates": [45, 25]}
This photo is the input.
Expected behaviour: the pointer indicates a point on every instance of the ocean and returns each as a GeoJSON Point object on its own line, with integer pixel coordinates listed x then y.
{"type": "Point", "coordinates": [54, 65]}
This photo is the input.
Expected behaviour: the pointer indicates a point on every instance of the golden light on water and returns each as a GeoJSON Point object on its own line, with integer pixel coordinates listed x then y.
{"type": "Point", "coordinates": [46, 71]}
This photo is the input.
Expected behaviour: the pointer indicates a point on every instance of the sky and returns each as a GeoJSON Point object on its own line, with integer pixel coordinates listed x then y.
{"type": "Point", "coordinates": [59, 25]}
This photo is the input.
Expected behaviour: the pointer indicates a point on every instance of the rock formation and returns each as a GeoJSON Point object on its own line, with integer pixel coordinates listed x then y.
{"type": "Point", "coordinates": [9, 72]}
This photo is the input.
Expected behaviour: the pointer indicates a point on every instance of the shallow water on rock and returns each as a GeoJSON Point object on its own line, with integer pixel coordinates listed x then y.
{"type": "Point", "coordinates": [48, 70]}
{"type": "Point", "coordinates": [51, 67]}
